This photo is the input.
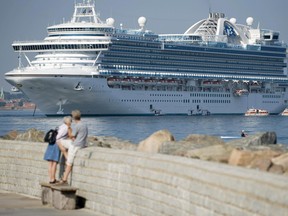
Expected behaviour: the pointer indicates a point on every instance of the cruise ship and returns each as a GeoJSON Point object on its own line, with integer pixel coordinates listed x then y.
{"type": "Point", "coordinates": [216, 66]}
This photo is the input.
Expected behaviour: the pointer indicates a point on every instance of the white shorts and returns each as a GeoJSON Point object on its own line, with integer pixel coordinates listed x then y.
{"type": "Point", "coordinates": [67, 143]}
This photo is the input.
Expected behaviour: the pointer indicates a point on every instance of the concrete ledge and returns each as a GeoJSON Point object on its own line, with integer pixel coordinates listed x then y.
{"type": "Point", "coordinates": [46, 195]}
{"type": "Point", "coordinates": [115, 182]}
{"type": "Point", "coordinates": [61, 197]}
{"type": "Point", "coordinates": [64, 197]}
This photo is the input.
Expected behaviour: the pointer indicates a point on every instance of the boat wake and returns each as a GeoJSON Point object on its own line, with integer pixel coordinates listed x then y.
{"type": "Point", "coordinates": [230, 137]}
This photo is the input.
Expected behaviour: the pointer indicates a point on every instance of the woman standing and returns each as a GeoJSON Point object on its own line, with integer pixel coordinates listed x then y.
{"type": "Point", "coordinates": [52, 154]}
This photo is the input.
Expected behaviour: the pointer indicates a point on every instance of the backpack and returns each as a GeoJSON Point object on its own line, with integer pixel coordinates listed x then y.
{"type": "Point", "coordinates": [50, 136]}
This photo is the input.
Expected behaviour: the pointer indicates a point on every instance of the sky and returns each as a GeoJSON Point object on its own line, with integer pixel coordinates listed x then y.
{"type": "Point", "coordinates": [26, 20]}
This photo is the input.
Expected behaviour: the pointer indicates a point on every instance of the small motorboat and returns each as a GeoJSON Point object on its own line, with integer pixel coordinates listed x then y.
{"type": "Point", "coordinates": [285, 112]}
{"type": "Point", "coordinates": [256, 112]}
{"type": "Point", "coordinates": [14, 89]}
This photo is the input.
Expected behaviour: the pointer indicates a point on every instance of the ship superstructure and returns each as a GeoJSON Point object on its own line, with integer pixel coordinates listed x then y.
{"type": "Point", "coordinates": [216, 67]}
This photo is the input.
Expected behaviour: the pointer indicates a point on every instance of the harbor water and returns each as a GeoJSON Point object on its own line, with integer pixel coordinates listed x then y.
{"type": "Point", "coordinates": [137, 128]}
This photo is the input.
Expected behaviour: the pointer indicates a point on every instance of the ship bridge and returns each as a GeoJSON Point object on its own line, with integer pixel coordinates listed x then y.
{"type": "Point", "coordinates": [79, 41]}
{"type": "Point", "coordinates": [85, 22]}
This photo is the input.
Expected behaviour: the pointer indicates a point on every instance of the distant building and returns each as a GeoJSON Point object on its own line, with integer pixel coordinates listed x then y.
{"type": "Point", "coordinates": [9, 101]}
{"type": "Point", "coordinates": [28, 105]}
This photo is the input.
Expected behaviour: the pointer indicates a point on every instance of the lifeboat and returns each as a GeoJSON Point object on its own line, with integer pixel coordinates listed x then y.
{"type": "Point", "coordinates": [285, 112]}
{"type": "Point", "coordinates": [208, 83]}
{"type": "Point", "coordinates": [255, 85]}
{"type": "Point", "coordinates": [241, 92]}
{"type": "Point", "coordinates": [256, 112]}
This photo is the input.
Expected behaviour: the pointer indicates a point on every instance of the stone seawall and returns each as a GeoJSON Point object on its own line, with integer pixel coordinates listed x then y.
{"type": "Point", "coordinates": [117, 182]}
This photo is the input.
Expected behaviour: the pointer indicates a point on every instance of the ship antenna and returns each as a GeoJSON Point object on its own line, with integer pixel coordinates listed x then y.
{"type": "Point", "coordinates": [209, 5]}
{"type": "Point", "coordinates": [85, 12]}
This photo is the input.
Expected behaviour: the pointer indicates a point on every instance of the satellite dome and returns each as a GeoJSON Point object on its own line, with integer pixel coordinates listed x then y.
{"type": "Point", "coordinates": [110, 21]}
{"type": "Point", "coordinates": [249, 21]}
{"type": "Point", "coordinates": [142, 22]}
{"type": "Point", "coordinates": [233, 20]}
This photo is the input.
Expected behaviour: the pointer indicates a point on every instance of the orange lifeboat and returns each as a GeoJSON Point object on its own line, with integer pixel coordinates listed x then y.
{"type": "Point", "coordinates": [256, 112]}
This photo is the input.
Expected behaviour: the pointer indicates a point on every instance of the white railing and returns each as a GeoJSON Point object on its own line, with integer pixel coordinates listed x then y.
{"type": "Point", "coordinates": [62, 41]}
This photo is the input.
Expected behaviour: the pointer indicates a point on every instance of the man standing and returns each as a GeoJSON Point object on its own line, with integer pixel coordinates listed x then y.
{"type": "Point", "coordinates": [78, 140]}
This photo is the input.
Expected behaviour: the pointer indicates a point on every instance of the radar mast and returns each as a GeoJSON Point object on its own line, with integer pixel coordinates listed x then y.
{"type": "Point", "coordinates": [85, 12]}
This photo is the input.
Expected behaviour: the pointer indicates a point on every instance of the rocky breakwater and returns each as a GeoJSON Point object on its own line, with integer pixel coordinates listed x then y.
{"type": "Point", "coordinates": [259, 151]}
{"type": "Point", "coordinates": [34, 135]}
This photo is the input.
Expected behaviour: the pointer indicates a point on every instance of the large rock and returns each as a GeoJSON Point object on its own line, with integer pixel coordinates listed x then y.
{"type": "Point", "coordinates": [276, 169]}
{"type": "Point", "coordinates": [262, 164]}
{"type": "Point", "coordinates": [153, 143]}
{"type": "Point", "coordinates": [282, 160]}
{"type": "Point", "coordinates": [241, 157]}
{"type": "Point", "coordinates": [194, 141]}
{"type": "Point", "coordinates": [32, 135]}
{"type": "Point", "coordinates": [245, 158]}
{"type": "Point", "coordinates": [111, 142]}
{"type": "Point", "coordinates": [201, 139]}
{"type": "Point", "coordinates": [262, 138]}
{"type": "Point", "coordinates": [10, 135]}
{"type": "Point", "coordinates": [217, 153]}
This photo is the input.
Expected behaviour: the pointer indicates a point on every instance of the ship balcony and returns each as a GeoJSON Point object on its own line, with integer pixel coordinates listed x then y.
{"type": "Point", "coordinates": [180, 37]}
{"type": "Point", "coordinates": [75, 61]}
{"type": "Point", "coordinates": [46, 46]}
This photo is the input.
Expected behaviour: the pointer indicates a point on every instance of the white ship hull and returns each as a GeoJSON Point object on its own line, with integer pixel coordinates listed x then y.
{"type": "Point", "coordinates": [59, 97]}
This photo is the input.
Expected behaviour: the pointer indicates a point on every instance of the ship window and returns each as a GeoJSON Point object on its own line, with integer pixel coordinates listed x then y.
{"type": "Point", "coordinates": [267, 37]}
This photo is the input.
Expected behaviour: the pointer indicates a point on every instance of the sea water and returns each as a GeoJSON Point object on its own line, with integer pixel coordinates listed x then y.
{"type": "Point", "coordinates": [137, 128]}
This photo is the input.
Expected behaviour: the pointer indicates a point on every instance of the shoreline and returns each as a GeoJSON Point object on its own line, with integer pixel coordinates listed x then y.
{"type": "Point", "coordinates": [16, 109]}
